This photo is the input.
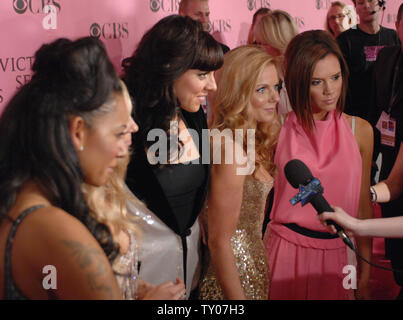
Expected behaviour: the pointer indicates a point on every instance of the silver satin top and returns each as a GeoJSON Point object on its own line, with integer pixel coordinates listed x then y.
{"type": "Point", "coordinates": [160, 252]}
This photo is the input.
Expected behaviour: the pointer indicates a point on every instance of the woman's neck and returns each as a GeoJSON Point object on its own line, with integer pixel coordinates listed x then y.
{"type": "Point", "coordinates": [320, 116]}
{"type": "Point", "coordinates": [32, 190]}
{"type": "Point", "coordinates": [29, 195]}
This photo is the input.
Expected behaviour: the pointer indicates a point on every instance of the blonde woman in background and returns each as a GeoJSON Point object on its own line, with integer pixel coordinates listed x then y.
{"type": "Point", "coordinates": [340, 18]}
{"type": "Point", "coordinates": [247, 97]}
{"type": "Point", "coordinates": [274, 31]}
{"type": "Point", "coordinates": [115, 206]}
{"type": "Point", "coordinates": [255, 20]}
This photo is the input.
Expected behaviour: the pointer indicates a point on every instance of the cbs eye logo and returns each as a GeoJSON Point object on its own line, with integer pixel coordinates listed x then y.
{"type": "Point", "coordinates": [95, 30]}
{"type": "Point", "coordinates": [20, 6]}
{"type": "Point", "coordinates": [251, 5]}
{"type": "Point", "coordinates": [254, 4]}
{"type": "Point", "coordinates": [155, 5]}
{"type": "Point", "coordinates": [110, 30]}
{"type": "Point", "coordinates": [35, 6]}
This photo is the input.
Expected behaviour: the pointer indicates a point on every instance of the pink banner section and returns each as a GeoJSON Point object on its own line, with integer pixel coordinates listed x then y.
{"type": "Point", "coordinates": [120, 24]}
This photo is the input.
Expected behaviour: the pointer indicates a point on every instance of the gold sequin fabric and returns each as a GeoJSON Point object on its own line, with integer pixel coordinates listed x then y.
{"type": "Point", "coordinates": [247, 245]}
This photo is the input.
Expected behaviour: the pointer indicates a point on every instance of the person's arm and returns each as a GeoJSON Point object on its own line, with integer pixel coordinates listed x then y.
{"type": "Point", "coordinates": [82, 268]}
{"type": "Point", "coordinates": [224, 205]}
{"type": "Point", "coordinates": [364, 136]}
{"type": "Point", "coordinates": [392, 187]}
{"type": "Point", "coordinates": [382, 227]}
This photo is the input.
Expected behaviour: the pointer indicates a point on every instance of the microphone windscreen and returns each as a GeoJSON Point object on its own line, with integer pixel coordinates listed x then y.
{"type": "Point", "coordinates": [297, 173]}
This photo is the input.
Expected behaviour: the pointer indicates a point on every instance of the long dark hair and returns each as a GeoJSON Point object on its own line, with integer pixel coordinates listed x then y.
{"type": "Point", "coordinates": [171, 47]}
{"type": "Point", "coordinates": [302, 54]}
{"type": "Point", "coordinates": [70, 78]}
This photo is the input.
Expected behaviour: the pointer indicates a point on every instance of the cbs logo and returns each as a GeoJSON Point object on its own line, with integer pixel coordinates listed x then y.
{"type": "Point", "coordinates": [220, 25]}
{"type": "Point", "coordinates": [255, 4]}
{"type": "Point", "coordinates": [164, 5]}
{"type": "Point", "coordinates": [155, 5]}
{"type": "Point", "coordinates": [113, 30]}
{"type": "Point", "coordinates": [34, 6]}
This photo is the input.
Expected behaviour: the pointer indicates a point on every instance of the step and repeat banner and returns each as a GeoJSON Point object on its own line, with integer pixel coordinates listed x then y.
{"type": "Point", "coordinates": [26, 24]}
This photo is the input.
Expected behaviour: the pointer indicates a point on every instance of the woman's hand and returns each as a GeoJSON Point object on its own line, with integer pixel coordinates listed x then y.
{"type": "Point", "coordinates": [341, 218]}
{"type": "Point", "coordinates": [166, 291]}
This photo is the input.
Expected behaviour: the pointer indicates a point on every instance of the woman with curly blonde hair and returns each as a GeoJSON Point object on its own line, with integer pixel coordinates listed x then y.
{"type": "Point", "coordinates": [244, 114]}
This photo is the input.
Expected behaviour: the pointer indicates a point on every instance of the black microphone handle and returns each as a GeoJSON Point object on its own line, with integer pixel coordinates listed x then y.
{"type": "Point", "coordinates": [298, 173]}
{"type": "Point", "coordinates": [321, 205]}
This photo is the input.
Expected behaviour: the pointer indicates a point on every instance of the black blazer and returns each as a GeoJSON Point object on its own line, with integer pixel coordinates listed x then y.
{"type": "Point", "coordinates": [381, 93]}
{"type": "Point", "coordinates": [382, 81]}
{"type": "Point", "coordinates": [142, 181]}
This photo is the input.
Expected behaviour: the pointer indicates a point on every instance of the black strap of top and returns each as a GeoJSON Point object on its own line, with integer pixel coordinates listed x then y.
{"type": "Point", "coordinates": [11, 289]}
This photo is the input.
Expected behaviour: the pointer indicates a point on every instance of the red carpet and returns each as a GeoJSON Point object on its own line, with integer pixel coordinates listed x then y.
{"type": "Point", "coordinates": [383, 286]}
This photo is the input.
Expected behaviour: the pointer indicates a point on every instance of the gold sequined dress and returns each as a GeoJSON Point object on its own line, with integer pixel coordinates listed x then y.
{"type": "Point", "coordinates": [247, 245]}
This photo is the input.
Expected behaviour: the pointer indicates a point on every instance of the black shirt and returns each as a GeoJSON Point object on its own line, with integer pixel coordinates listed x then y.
{"type": "Point", "coordinates": [399, 129]}
{"type": "Point", "coordinates": [397, 103]}
{"type": "Point", "coordinates": [360, 50]}
{"type": "Point", "coordinates": [167, 190]}
{"type": "Point", "coordinates": [182, 184]}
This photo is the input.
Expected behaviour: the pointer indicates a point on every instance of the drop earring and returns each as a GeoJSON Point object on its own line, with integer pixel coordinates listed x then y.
{"type": "Point", "coordinates": [81, 148]}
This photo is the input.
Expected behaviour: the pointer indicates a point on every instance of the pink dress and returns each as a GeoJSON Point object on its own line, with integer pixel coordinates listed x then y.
{"type": "Point", "coordinates": [302, 267]}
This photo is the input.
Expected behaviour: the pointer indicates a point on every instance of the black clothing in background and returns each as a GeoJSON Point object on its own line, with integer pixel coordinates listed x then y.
{"type": "Point", "coordinates": [360, 50]}
{"type": "Point", "coordinates": [381, 94]}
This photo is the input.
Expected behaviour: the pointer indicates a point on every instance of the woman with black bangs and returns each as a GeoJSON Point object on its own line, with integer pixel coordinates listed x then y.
{"type": "Point", "coordinates": [169, 77]}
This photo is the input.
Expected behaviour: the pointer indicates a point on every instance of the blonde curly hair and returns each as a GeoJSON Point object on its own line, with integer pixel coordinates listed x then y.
{"type": "Point", "coordinates": [237, 82]}
{"type": "Point", "coordinates": [108, 203]}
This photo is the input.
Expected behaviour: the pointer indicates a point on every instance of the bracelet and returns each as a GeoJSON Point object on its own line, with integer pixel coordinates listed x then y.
{"type": "Point", "coordinates": [374, 196]}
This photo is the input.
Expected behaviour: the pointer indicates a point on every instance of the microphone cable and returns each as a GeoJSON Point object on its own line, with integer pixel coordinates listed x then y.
{"type": "Point", "coordinates": [352, 247]}
{"type": "Point", "coordinates": [310, 191]}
